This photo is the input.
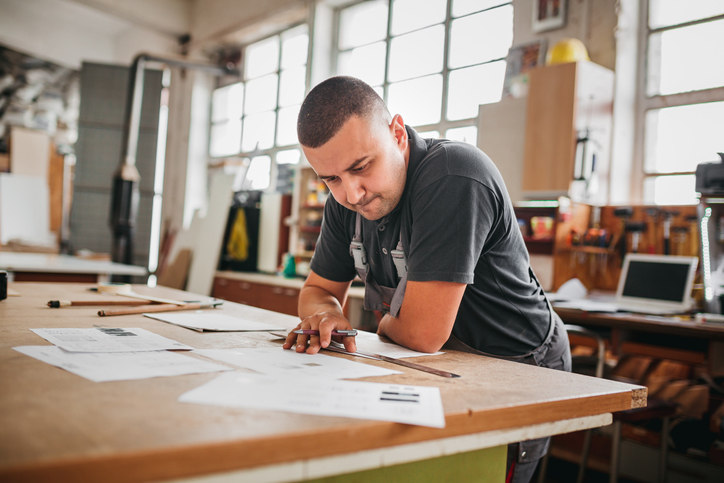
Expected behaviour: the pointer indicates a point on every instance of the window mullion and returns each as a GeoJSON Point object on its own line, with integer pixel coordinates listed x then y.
{"type": "Point", "coordinates": [683, 98]}
{"type": "Point", "coordinates": [388, 42]}
{"type": "Point", "coordinates": [445, 70]}
{"type": "Point", "coordinates": [637, 170]}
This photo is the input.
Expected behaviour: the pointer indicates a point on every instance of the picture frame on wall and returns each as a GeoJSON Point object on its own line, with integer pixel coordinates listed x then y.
{"type": "Point", "coordinates": [520, 60]}
{"type": "Point", "coordinates": [548, 15]}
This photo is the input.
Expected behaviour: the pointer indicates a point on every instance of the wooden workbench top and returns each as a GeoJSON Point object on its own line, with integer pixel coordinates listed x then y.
{"type": "Point", "coordinates": [57, 425]}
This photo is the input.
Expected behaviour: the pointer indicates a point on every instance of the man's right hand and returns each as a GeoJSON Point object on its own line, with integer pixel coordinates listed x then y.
{"type": "Point", "coordinates": [325, 323]}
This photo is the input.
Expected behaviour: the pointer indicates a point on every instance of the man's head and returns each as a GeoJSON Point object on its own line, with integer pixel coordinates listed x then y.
{"type": "Point", "coordinates": [354, 145]}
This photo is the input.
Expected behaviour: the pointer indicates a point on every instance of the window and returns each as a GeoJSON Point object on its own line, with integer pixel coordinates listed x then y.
{"type": "Point", "coordinates": [433, 65]}
{"type": "Point", "coordinates": [255, 120]}
{"type": "Point", "coordinates": [682, 98]}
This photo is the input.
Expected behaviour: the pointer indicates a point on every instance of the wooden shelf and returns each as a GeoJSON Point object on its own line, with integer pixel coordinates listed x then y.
{"type": "Point", "coordinates": [313, 206]}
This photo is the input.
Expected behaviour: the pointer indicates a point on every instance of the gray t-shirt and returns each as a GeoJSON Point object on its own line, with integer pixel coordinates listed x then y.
{"type": "Point", "coordinates": [457, 225]}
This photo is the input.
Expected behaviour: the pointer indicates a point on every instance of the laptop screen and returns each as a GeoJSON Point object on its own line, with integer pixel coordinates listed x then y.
{"type": "Point", "coordinates": [656, 284]}
{"type": "Point", "coordinates": [653, 279]}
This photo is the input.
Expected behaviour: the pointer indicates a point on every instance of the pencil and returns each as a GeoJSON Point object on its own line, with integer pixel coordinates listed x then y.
{"type": "Point", "coordinates": [54, 304]}
{"type": "Point", "coordinates": [142, 309]}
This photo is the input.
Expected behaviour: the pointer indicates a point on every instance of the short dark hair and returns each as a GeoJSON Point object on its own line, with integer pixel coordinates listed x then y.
{"type": "Point", "coordinates": [330, 104]}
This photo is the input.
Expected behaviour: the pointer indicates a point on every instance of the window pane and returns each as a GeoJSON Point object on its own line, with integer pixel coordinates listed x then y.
{"type": "Point", "coordinates": [481, 37]}
{"type": "Point", "coordinates": [366, 63]}
{"type": "Point", "coordinates": [258, 131]}
{"type": "Point", "coordinates": [670, 190]}
{"type": "Point", "coordinates": [671, 12]}
{"type": "Point", "coordinates": [227, 102]}
{"type": "Point", "coordinates": [295, 43]}
{"type": "Point", "coordinates": [467, 134]}
{"type": "Point", "coordinates": [417, 101]}
{"type": "Point", "coordinates": [408, 15]}
{"type": "Point", "coordinates": [363, 23]}
{"type": "Point", "coordinates": [225, 138]}
{"type": "Point", "coordinates": [261, 58]}
{"type": "Point", "coordinates": [679, 138]}
{"type": "Point", "coordinates": [291, 86]}
{"type": "Point", "coordinates": [287, 126]}
{"type": "Point", "coordinates": [682, 59]}
{"type": "Point", "coordinates": [261, 94]}
{"type": "Point", "coordinates": [290, 156]}
{"type": "Point", "coordinates": [469, 87]}
{"type": "Point", "coordinates": [464, 7]}
{"type": "Point", "coordinates": [429, 134]}
{"type": "Point", "coordinates": [417, 54]}
{"type": "Point", "coordinates": [258, 176]}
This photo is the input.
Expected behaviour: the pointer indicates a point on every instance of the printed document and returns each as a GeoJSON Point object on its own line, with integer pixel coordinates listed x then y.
{"type": "Point", "coordinates": [205, 320]}
{"type": "Point", "coordinates": [108, 339]}
{"type": "Point", "coordinates": [371, 343]}
{"type": "Point", "coordinates": [418, 405]}
{"type": "Point", "coordinates": [277, 361]}
{"type": "Point", "coordinates": [117, 366]}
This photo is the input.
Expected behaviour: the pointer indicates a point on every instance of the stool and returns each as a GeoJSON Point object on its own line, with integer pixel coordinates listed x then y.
{"type": "Point", "coordinates": [656, 409]}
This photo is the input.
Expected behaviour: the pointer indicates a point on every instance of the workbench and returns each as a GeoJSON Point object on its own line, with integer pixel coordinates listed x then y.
{"type": "Point", "coordinates": [47, 267]}
{"type": "Point", "coordinates": [57, 426]}
{"type": "Point", "coordinates": [674, 337]}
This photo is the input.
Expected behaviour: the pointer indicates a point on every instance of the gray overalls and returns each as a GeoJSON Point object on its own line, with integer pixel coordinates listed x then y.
{"type": "Point", "coordinates": [378, 297]}
{"type": "Point", "coordinates": [553, 352]}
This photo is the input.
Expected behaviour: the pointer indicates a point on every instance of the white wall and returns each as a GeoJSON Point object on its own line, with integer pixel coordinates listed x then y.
{"type": "Point", "coordinates": [591, 21]}
{"type": "Point", "coordinates": [225, 20]}
{"type": "Point", "coordinates": [68, 33]}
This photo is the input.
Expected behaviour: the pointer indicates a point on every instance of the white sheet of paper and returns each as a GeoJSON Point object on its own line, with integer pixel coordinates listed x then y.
{"type": "Point", "coordinates": [118, 366]}
{"type": "Point", "coordinates": [108, 339]}
{"type": "Point", "coordinates": [277, 361]}
{"type": "Point", "coordinates": [587, 305]}
{"type": "Point", "coordinates": [212, 321]}
{"type": "Point", "coordinates": [371, 343]}
{"type": "Point", "coordinates": [418, 405]}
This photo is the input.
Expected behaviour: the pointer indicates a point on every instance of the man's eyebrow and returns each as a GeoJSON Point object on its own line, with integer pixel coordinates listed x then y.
{"type": "Point", "coordinates": [351, 167]}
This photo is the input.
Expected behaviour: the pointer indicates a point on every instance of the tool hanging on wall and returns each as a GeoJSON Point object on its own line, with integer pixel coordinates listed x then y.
{"type": "Point", "coordinates": [668, 215]}
{"type": "Point", "coordinates": [635, 228]}
{"type": "Point", "coordinates": [653, 219]}
{"type": "Point", "coordinates": [624, 214]}
{"type": "Point", "coordinates": [680, 240]}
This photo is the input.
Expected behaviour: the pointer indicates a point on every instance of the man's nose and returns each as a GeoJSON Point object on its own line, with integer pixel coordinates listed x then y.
{"type": "Point", "coordinates": [354, 190]}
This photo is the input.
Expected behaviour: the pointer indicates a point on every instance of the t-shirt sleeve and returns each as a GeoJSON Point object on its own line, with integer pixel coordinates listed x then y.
{"type": "Point", "coordinates": [332, 259]}
{"type": "Point", "coordinates": [452, 219]}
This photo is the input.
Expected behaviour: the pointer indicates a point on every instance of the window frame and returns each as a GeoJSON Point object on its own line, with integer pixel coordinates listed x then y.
{"type": "Point", "coordinates": [241, 160]}
{"type": "Point", "coordinates": [443, 125]}
{"type": "Point", "coordinates": [646, 103]}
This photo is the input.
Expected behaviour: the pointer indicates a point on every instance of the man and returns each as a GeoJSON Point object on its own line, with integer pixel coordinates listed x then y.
{"type": "Point", "coordinates": [429, 227]}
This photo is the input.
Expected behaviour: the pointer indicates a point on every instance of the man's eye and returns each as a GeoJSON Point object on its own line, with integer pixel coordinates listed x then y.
{"type": "Point", "coordinates": [331, 179]}
{"type": "Point", "coordinates": [359, 169]}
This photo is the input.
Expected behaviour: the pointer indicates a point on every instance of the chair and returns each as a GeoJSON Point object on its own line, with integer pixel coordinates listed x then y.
{"type": "Point", "coordinates": [595, 365]}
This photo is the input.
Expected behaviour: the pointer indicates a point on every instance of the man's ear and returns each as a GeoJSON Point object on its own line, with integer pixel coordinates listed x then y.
{"type": "Point", "coordinates": [397, 126]}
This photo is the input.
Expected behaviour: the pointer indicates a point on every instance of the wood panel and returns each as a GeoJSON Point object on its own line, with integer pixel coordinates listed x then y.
{"type": "Point", "coordinates": [549, 129]}
{"type": "Point", "coordinates": [269, 297]}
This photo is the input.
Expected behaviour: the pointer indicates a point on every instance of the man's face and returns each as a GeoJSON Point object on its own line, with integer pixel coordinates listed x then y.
{"type": "Point", "coordinates": [364, 164]}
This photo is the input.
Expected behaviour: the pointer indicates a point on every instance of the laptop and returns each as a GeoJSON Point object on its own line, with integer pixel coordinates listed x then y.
{"type": "Point", "coordinates": [649, 284]}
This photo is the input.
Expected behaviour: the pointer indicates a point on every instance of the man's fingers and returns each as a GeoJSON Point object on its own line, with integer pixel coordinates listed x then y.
{"type": "Point", "coordinates": [350, 345]}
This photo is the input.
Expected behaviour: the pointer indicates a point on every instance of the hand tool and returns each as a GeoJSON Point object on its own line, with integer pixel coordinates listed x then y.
{"type": "Point", "coordinates": [337, 347]}
{"type": "Point", "coordinates": [668, 215]}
